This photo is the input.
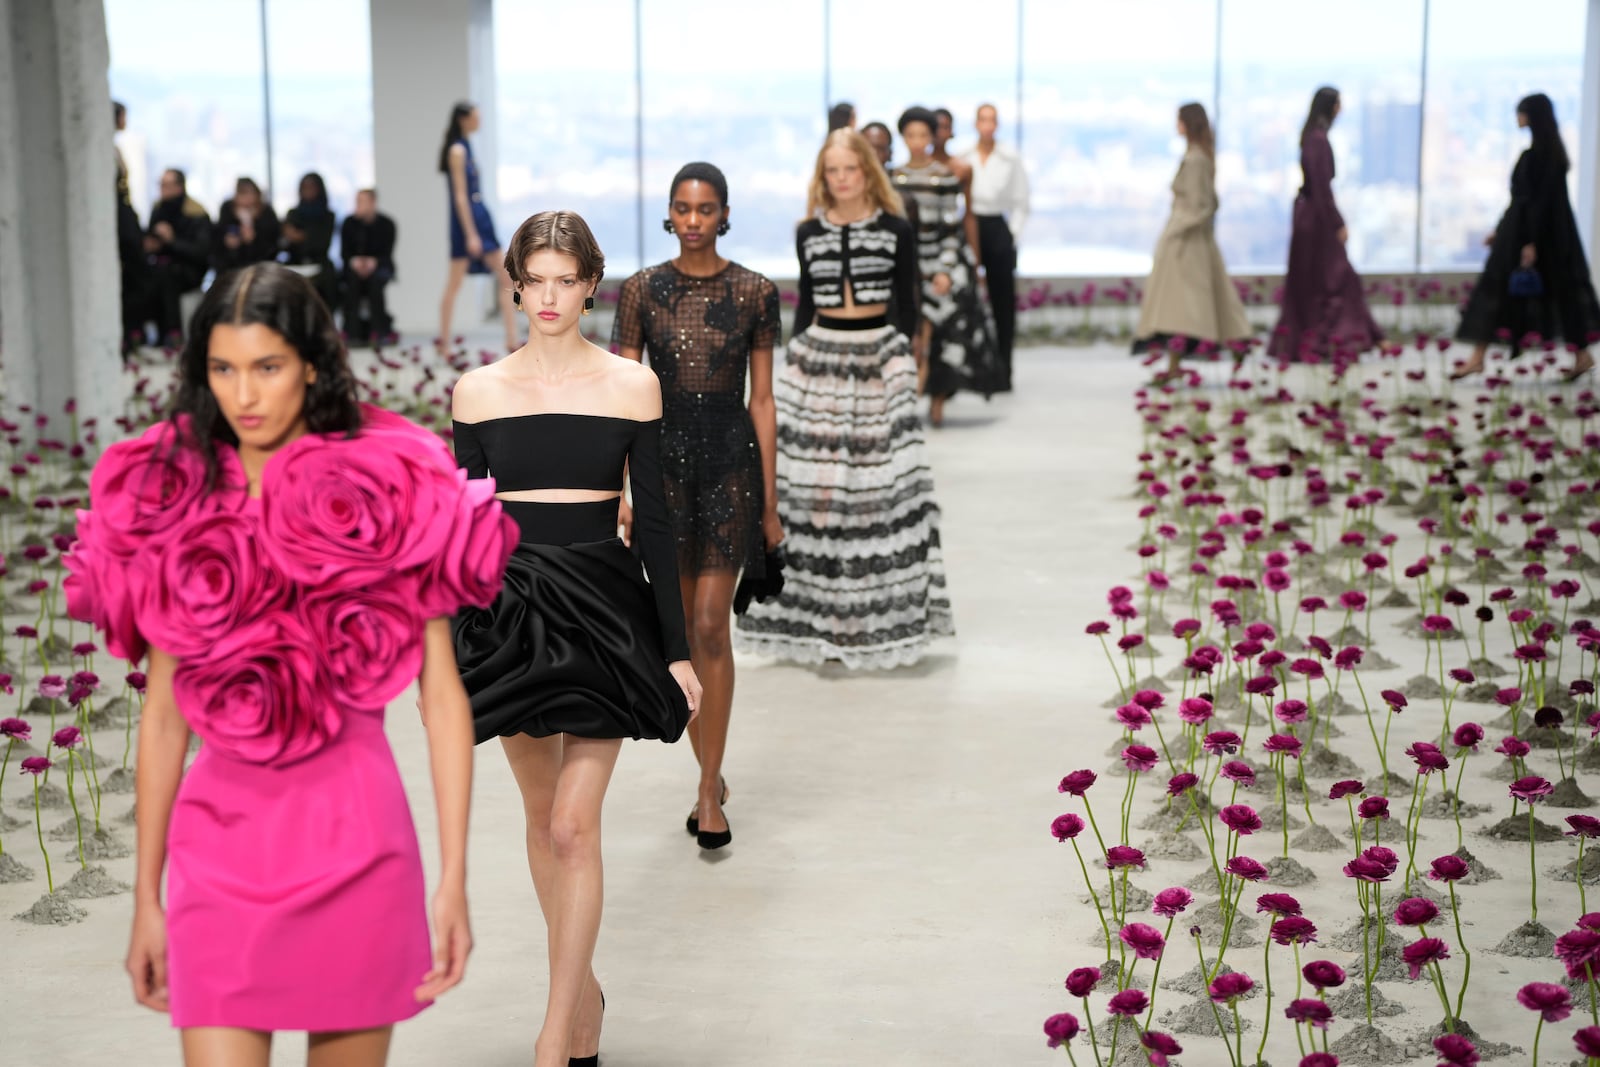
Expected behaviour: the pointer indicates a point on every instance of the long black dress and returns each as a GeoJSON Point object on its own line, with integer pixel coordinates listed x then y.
{"type": "Point", "coordinates": [1541, 215]}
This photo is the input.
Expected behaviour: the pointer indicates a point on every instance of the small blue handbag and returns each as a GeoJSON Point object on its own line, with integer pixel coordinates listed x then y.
{"type": "Point", "coordinates": [1525, 282]}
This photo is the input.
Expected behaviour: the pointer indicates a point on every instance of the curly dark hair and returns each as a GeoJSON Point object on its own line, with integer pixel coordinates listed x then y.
{"type": "Point", "coordinates": [270, 295]}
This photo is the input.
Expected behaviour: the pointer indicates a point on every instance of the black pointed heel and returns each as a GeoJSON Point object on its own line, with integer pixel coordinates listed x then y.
{"type": "Point", "coordinates": [711, 841]}
{"type": "Point", "coordinates": [692, 823]}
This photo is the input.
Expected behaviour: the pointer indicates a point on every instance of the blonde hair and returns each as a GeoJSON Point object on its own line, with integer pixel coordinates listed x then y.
{"type": "Point", "coordinates": [880, 192]}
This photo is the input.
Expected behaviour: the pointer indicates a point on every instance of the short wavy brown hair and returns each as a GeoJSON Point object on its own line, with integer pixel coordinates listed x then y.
{"type": "Point", "coordinates": [555, 231]}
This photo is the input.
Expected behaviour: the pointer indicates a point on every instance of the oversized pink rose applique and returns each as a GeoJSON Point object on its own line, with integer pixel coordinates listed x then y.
{"type": "Point", "coordinates": [470, 568]}
{"type": "Point", "coordinates": [211, 579]}
{"type": "Point", "coordinates": [371, 642]}
{"type": "Point", "coordinates": [143, 488]}
{"type": "Point", "coordinates": [354, 511]}
{"type": "Point", "coordinates": [103, 590]}
{"type": "Point", "coordinates": [261, 696]}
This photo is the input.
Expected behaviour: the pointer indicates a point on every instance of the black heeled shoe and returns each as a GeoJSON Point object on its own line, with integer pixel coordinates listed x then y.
{"type": "Point", "coordinates": [692, 823]}
{"type": "Point", "coordinates": [590, 1061]}
{"type": "Point", "coordinates": [711, 841]}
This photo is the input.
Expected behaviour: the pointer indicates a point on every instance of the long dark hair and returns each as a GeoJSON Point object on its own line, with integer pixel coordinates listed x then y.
{"type": "Point", "coordinates": [1197, 126]}
{"type": "Point", "coordinates": [453, 133]}
{"type": "Point", "coordinates": [270, 295]}
{"type": "Point", "coordinates": [1541, 116]}
{"type": "Point", "coordinates": [1323, 105]}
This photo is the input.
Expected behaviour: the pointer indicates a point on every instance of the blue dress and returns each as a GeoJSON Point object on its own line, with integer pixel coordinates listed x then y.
{"type": "Point", "coordinates": [480, 216]}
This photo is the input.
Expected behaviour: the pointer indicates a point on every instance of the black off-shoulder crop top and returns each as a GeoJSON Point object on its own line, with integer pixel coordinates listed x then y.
{"type": "Point", "coordinates": [557, 450]}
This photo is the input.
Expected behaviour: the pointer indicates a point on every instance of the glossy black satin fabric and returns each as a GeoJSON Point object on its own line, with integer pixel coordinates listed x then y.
{"type": "Point", "coordinates": [571, 645]}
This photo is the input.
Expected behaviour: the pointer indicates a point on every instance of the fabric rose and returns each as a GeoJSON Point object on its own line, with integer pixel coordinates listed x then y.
{"type": "Point", "coordinates": [261, 696]}
{"type": "Point", "coordinates": [209, 580]}
{"type": "Point", "coordinates": [353, 512]}
{"type": "Point", "coordinates": [144, 487]}
{"type": "Point", "coordinates": [471, 565]}
{"type": "Point", "coordinates": [103, 590]}
{"type": "Point", "coordinates": [372, 643]}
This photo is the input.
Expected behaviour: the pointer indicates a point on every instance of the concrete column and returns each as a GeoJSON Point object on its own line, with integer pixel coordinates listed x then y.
{"type": "Point", "coordinates": [60, 304]}
{"type": "Point", "coordinates": [1588, 154]}
{"type": "Point", "coordinates": [426, 55]}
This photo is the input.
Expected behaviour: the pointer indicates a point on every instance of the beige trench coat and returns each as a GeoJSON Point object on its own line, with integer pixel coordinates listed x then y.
{"type": "Point", "coordinates": [1189, 293]}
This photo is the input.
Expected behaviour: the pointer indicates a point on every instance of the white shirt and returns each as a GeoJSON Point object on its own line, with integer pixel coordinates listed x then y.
{"type": "Point", "coordinates": [1000, 187]}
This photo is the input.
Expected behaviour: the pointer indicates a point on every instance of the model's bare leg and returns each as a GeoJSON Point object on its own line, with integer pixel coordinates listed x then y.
{"type": "Point", "coordinates": [226, 1046]}
{"type": "Point", "coordinates": [1474, 363]}
{"type": "Point", "coordinates": [711, 651]}
{"type": "Point", "coordinates": [536, 765]}
{"type": "Point", "coordinates": [1582, 364]}
{"type": "Point", "coordinates": [350, 1048]}
{"type": "Point", "coordinates": [447, 303]}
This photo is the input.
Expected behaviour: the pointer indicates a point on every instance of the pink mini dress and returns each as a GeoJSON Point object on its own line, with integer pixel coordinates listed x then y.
{"type": "Point", "coordinates": [295, 895]}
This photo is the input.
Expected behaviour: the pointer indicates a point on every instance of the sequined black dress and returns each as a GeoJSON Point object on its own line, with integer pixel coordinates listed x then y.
{"type": "Point", "coordinates": [697, 334]}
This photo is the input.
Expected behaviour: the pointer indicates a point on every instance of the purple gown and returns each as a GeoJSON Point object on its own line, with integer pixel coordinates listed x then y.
{"type": "Point", "coordinates": [1324, 310]}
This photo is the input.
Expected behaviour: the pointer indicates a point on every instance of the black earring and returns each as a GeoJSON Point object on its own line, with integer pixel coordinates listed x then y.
{"type": "Point", "coordinates": [722, 228]}
{"type": "Point", "coordinates": [516, 297]}
{"type": "Point", "coordinates": [666, 224]}
{"type": "Point", "coordinates": [588, 303]}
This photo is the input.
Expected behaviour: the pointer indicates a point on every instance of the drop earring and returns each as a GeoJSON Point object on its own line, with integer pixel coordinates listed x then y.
{"type": "Point", "coordinates": [588, 304]}
{"type": "Point", "coordinates": [516, 297]}
{"type": "Point", "coordinates": [666, 224]}
{"type": "Point", "coordinates": [723, 228]}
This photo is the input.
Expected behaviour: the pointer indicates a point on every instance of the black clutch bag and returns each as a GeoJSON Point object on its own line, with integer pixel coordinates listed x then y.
{"type": "Point", "coordinates": [1525, 282]}
{"type": "Point", "coordinates": [769, 585]}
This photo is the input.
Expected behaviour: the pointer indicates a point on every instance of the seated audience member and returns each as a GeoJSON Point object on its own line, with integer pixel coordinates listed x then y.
{"type": "Point", "coordinates": [307, 236]}
{"type": "Point", "coordinates": [247, 229]}
{"type": "Point", "coordinates": [177, 248]}
{"type": "Point", "coordinates": [366, 240]}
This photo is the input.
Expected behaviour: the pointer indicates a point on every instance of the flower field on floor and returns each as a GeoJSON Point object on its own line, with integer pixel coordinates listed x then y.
{"type": "Point", "coordinates": [1354, 665]}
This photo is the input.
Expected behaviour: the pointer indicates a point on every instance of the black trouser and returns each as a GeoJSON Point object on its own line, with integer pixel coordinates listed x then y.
{"type": "Point", "coordinates": [369, 289]}
{"type": "Point", "coordinates": [168, 280]}
{"type": "Point", "coordinates": [999, 254]}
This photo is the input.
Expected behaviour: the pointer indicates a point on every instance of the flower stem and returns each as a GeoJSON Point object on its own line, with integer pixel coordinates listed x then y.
{"type": "Point", "coordinates": [1533, 869]}
{"type": "Point", "coordinates": [38, 824]}
{"type": "Point", "coordinates": [1466, 956]}
{"type": "Point", "coordinates": [1098, 907]}
{"type": "Point", "coordinates": [1088, 1017]}
{"type": "Point", "coordinates": [77, 822]}
{"type": "Point", "coordinates": [1266, 1015]}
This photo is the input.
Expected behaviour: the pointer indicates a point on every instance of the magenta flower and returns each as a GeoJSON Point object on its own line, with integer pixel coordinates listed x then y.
{"type": "Point", "coordinates": [1437, 624]}
{"type": "Point", "coordinates": [1373, 808]}
{"type": "Point", "coordinates": [1245, 868]}
{"type": "Point", "coordinates": [1579, 950]}
{"type": "Point", "coordinates": [1262, 685]}
{"type": "Point", "coordinates": [1239, 772]}
{"type": "Point", "coordinates": [1456, 1050]}
{"type": "Point", "coordinates": [1323, 974]}
{"type": "Point", "coordinates": [136, 681]}
{"type": "Point", "coordinates": [1129, 1002]}
{"type": "Point", "coordinates": [1196, 711]}
{"type": "Point", "coordinates": [1159, 1046]}
{"type": "Point", "coordinates": [35, 765]}
{"type": "Point", "coordinates": [1347, 659]}
{"type": "Point", "coordinates": [1226, 988]}
{"type": "Point", "coordinates": [1513, 748]}
{"type": "Point", "coordinates": [1309, 1010]}
{"type": "Point", "coordinates": [1066, 827]}
{"type": "Point", "coordinates": [1462, 676]}
{"type": "Point", "coordinates": [1423, 951]}
{"type": "Point", "coordinates": [1353, 600]}
{"type": "Point", "coordinates": [1172, 902]}
{"type": "Point", "coordinates": [1082, 981]}
{"type": "Point", "coordinates": [1290, 711]}
{"type": "Point", "coordinates": [16, 729]}
{"type": "Point", "coordinates": [1095, 629]}
{"type": "Point", "coordinates": [1184, 629]}
{"type": "Point", "coordinates": [1319, 1059]}
{"type": "Point", "coordinates": [1415, 911]}
{"type": "Point", "coordinates": [1221, 743]}
{"type": "Point", "coordinates": [1583, 826]}
{"type": "Point", "coordinates": [1346, 788]}
{"type": "Point", "coordinates": [1181, 783]}
{"type": "Point", "coordinates": [1133, 717]}
{"type": "Point", "coordinates": [1145, 940]}
{"type": "Point", "coordinates": [1551, 1001]}
{"type": "Point", "coordinates": [1588, 1041]}
{"type": "Point", "coordinates": [85, 648]}
{"type": "Point", "coordinates": [67, 737]}
{"type": "Point", "coordinates": [1394, 698]}
{"type": "Point", "coordinates": [1129, 642]}
{"type": "Point", "coordinates": [1061, 1028]}
{"type": "Point", "coordinates": [1507, 697]}
{"type": "Point", "coordinates": [52, 687]}
{"type": "Point", "coordinates": [1278, 904]}
{"type": "Point", "coordinates": [1140, 757]}
{"type": "Point", "coordinates": [1077, 783]}
{"type": "Point", "coordinates": [1365, 869]}
{"type": "Point", "coordinates": [1531, 789]}
{"type": "Point", "coordinates": [1285, 744]}
{"type": "Point", "coordinates": [1149, 699]}
{"type": "Point", "coordinates": [1123, 856]}
{"type": "Point", "coordinates": [1427, 757]}
{"type": "Point", "coordinates": [1467, 736]}
{"type": "Point", "coordinates": [1240, 818]}
{"type": "Point", "coordinates": [1293, 930]}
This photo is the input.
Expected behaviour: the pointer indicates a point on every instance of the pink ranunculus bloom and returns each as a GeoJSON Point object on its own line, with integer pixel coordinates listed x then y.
{"type": "Point", "coordinates": [1513, 748]}
{"type": "Point", "coordinates": [1094, 629]}
{"type": "Point", "coordinates": [1290, 711]}
{"type": "Point", "coordinates": [1171, 902]}
{"type": "Point", "coordinates": [1448, 869]}
{"type": "Point", "coordinates": [35, 765]}
{"type": "Point", "coordinates": [1149, 699]}
{"type": "Point", "coordinates": [1293, 930]}
{"type": "Point", "coordinates": [1394, 698]}
{"type": "Point", "coordinates": [1373, 808]}
{"type": "Point", "coordinates": [1583, 826]}
{"type": "Point", "coordinates": [1118, 856]}
{"type": "Point", "coordinates": [260, 696]}
{"type": "Point", "coordinates": [1061, 1028]}
{"type": "Point", "coordinates": [1129, 642]}
{"type": "Point", "coordinates": [1140, 757]}
{"type": "Point", "coordinates": [1130, 1002]}
{"type": "Point", "coordinates": [1077, 783]}
{"type": "Point", "coordinates": [67, 737]}
{"type": "Point", "coordinates": [1347, 659]}
{"type": "Point", "coordinates": [1427, 757]}
{"type": "Point", "coordinates": [1245, 868]}
{"type": "Point", "coordinates": [1066, 827]}
{"type": "Point", "coordinates": [1196, 711]}
{"type": "Point", "coordinates": [1181, 783]}
{"type": "Point", "coordinates": [1579, 952]}
{"type": "Point", "coordinates": [16, 729]}
{"type": "Point", "coordinates": [1423, 951]}
{"type": "Point", "coordinates": [1133, 717]}
{"type": "Point", "coordinates": [1278, 904]}
{"type": "Point", "coordinates": [1185, 628]}
{"type": "Point", "coordinates": [1145, 940]}
{"type": "Point", "coordinates": [1323, 974]}
{"type": "Point", "coordinates": [1531, 789]}
{"type": "Point", "coordinates": [1283, 744]}
{"type": "Point", "coordinates": [1082, 981]}
{"type": "Point", "coordinates": [1221, 743]}
{"type": "Point", "coordinates": [52, 687]}
{"type": "Point", "coordinates": [1311, 1011]}
{"type": "Point", "coordinates": [1551, 1001]}
{"type": "Point", "coordinates": [1226, 988]}
{"type": "Point", "coordinates": [1467, 736]}
{"type": "Point", "coordinates": [1456, 1051]}
{"type": "Point", "coordinates": [1262, 685]}
{"type": "Point", "coordinates": [1415, 911]}
{"type": "Point", "coordinates": [1239, 772]}
{"type": "Point", "coordinates": [1158, 1047]}
{"type": "Point", "coordinates": [1240, 818]}
{"type": "Point", "coordinates": [1587, 1040]}
{"type": "Point", "coordinates": [1347, 787]}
